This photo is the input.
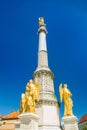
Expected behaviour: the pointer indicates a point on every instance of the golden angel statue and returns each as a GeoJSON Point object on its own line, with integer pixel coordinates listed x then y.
{"type": "Point", "coordinates": [41, 21]}
{"type": "Point", "coordinates": [32, 94]}
{"type": "Point", "coordinates": [65, 95]}
{"type": "Point", "coordinates": [23, 103]}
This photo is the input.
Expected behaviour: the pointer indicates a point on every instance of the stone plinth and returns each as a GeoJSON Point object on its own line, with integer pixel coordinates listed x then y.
{"type": "Point", "coordinates": [49, 117]}
{"type": "Point", "coordinates": [70, 122]}
{"type": "Point", "coordinates": [28, 121]}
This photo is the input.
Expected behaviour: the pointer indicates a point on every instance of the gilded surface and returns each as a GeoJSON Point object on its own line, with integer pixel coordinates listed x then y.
{"type": "Point", "coordinates": [41, 20]}
{"type": "Point", "coordinates": [31, 95]}
{"type": "Point", "coordinates": [65, 95]}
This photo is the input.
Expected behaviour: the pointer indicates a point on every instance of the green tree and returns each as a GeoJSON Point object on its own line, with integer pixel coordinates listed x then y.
{"type": "Point", "coordinates": [84, 128]}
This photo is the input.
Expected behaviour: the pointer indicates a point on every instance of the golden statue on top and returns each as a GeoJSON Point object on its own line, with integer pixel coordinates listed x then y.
{"type": "Point", "coordinates": [41, 21]}
{"type": "Point", "coordinates": [31, 95]}
{"type": "Point", "coordinates": [65, 95]}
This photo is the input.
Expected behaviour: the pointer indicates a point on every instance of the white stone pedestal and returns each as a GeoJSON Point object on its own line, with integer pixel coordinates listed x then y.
{"type": "Point", "coordinates": [70, 122]}
{"type": "Point", "coordinates": [28, 121]}
{"type": "Point", "coordinates": [49, 117]}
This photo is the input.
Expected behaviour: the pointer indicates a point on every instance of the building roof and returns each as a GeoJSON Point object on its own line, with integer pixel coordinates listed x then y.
{"type": "Point", "coordinates": [0, 116]}
{"type": "Point", "coordinates": [83, 119]}
{"type": "Point", "coordinates": [12, 115]}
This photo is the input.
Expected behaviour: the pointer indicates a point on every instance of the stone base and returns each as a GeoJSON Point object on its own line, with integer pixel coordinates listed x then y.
{"type": "Point", "coordinates": [28, 121]}
{"type": "Point", "coordinates": [70, 122]}
{"type": "Point", "coordinates": [49, 116]}
{"type": "Point", "coordinates": [50, 128]}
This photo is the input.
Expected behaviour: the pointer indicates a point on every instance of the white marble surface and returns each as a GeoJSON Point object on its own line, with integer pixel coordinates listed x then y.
{"type": "Point", "coordinates": [42, 59]}
{"type": "Point", "coordinates": [70, 122]}
{"type": "Point", "coordinates": [49, 118]}
{"type": "Point", "coordinates": [42, 41]}
{"type": "Point", "coordinates": [28, 121]}
{"type": "Point", "coordinates": [49, 128]}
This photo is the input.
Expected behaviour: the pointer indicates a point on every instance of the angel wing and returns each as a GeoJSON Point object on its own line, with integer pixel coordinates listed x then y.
{"type": "Point", "coordinates": [61, 92]}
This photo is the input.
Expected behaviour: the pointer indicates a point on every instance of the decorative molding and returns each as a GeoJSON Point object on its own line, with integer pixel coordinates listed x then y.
{"type": "Point", "coordinates": [42, 28]}
{"type": "Point", "coordinates": [43, 70]}
{"type": "Point", "coordinates": [45, 79]}
{"type": "Point", "coordinates": [47, 102]}
{"type": "Point", "coordinates": [70, 119]}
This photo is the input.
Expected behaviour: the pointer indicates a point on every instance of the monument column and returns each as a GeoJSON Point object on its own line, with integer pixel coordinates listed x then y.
{"type": "Point", "coordinates": [48, 107]}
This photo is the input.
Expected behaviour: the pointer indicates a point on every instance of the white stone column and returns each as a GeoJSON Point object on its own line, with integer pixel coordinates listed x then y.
{"type": "Point", "coordinates": [70, 122]}
{"type": "Point", "coordinates": [28, 121]}
{"type": "Point", "coordinates": [42, 41]}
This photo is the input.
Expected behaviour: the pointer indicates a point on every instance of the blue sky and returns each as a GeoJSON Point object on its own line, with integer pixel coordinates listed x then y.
{"type": "Point", "coordinates": [66, 43]}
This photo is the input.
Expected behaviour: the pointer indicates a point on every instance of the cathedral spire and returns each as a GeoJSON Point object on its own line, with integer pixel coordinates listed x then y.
{"type": "Point", "coordinates": [42, 50]}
